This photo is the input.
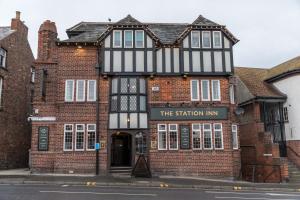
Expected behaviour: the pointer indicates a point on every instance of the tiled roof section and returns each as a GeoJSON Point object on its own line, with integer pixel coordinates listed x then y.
{"type": "Point", "coordinates": [290, 65]}
{"type": "Point", "coordinates": [5, 31]}
{"type": "Point", "coordinates": [254, 78]}
{"type": "Point", "coordinates": [128, 20]}
{"type": "Point", "coordinates": [202, 21]}
{"type": "Point", "coordinates": [166, 33]}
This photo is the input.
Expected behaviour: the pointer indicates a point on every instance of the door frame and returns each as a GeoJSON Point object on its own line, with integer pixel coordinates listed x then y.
{"type": "Point", "coordinates": [133, 145]}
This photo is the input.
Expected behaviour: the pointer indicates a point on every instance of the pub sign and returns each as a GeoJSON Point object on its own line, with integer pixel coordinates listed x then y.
{"type": "Point", "coordinates": [43, 138]}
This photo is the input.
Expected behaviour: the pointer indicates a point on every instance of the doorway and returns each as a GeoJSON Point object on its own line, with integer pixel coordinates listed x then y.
{"type": "Point", "coordinates": [121, 150]}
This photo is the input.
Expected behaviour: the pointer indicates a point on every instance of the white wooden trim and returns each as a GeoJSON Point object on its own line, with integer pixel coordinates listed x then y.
{"type": "Point", "coordinates": [65, 137]}
{"type": "Point", "coordinates": [75, 139]}
{"type": "Point", "coordinates": [191, 87]}
{"type": "Point", "coordinates": [143, 38]}
{"type": "Point", "coordinates": [208, 90]}
{"type": "Point", "coordinates": [219, 90]}
{"type": "Point", "coordinates": [236, 135]}
{"type": "Point", "coordinates": [221, 135]}
{"type": "Point", "coordinates": [94, 90]}
{"type": "Point", "coordinates": [87, 141]}
{"type": "Point", "coordinates": [77, 91]}
{"type": "Point", "coordinates": [114, 32]}
{"type": "Point", "coordinates": [192, 33]}
{"type": "Point", "coordinates": [127, 31]}
{"type": "Point", "coordinates": [42, 119]}
{"type": "Point", "coordinates": [214, 39]}
{"type": "Point", "coordinates": [66, 90]}
{"type": "Point", "coordinates": [203, 39]}
{"type": "Point", "coordinates": [176, 136]}
{"type": "Point", "coordinates": [166, 132]}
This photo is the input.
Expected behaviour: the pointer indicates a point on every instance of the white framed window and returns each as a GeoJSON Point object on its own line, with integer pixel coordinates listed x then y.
{"type": "Point", "coordinates": [206, 40]}
{"type": "Point", "coordinates": [128, 39]}
{"type": "Point", "coordinates": [195, 39]}
{"type": "Point", "coordinates": [139, 39]}
{"type": "Point", "coordinates": [195, 90]}
{"type": "Point", "coordinates": [196, 130]}
{"type": "Point", "coordinates": [79, 136]}
{"type": "Point", "coordinates": [91, 136]}
{"type": "Point", "coordinates": [1, 89]}
{"type": "Point", "coordinates": [69, 90]}
{"type": "Point", "coordinates": [218, 136]}
{"type": "Point", "coordinates": [68, 137]}
{"type": "Point", "coordinates": [32, 74]}
{"type": "Point", "coordinates": [235, 144]}
{"type": "Point", "coordinates": [91, 90]}
{"type": "Point", "coordinates": [205, 90]}
{"type": "Point", "coordinates": [216, 90]}
{"type": "Point", "coordinates": [285, 114]}
{"type": "Point", "coordinates": [173, 136]}
{"type": "Point", "coordinates": [217, 39]}
{"type": "Point", "coordinates": [162, 136]}
{"type": "Point", "coordinates": [117, 38]}
{"type": "Point", "coordinates": [2, 57]}
{"type": "Point", "coordinates": [231, 94]}
{"type": "Point", "coordinates": [207, 136]}
{"type": "Point", "coordinates": [80, 90]}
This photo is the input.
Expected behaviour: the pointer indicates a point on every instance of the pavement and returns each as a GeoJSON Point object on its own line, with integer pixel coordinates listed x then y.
{"type": "Point", "coordinates": [23, 176]}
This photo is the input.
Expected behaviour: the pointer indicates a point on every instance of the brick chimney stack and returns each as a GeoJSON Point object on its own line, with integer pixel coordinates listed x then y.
{"type": "Point", "coordinates": [46, 42]}
{"type": "Point", "coordinates": [18, 25]}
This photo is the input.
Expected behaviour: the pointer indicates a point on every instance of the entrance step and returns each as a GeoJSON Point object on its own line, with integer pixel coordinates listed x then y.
{"type": "Point", "coordinates": [294, 173]}
{"type": "Point", "coordinates": [120, 170]}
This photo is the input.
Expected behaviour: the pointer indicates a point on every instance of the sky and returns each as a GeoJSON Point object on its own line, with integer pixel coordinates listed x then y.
{"type": "Point", "coordinates": [268, 30]}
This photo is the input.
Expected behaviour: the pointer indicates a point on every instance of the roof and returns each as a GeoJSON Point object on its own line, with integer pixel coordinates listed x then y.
{"type": "Point", "coordinates": [5, 31]}
{"type": "Point", "coordinates": [166, 33]}
{"type": "Point", "coordinates": [254, 80]}
{"type": "Point", "coordinates": [284, 68]}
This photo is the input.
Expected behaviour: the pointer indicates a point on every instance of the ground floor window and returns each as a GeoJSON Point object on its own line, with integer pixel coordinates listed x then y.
{"type": "Point", "coordinates": [173, 137]}
{"type": "Point", "coordinates": [207, 136]}
{"type": "Point", "coordinates": [162, 136]}
{"type": "Point", "coordinates": [196, 131]}
{"type": "Point", "coordinates": [218, 133]}
{"type": "Point", "coordinates": [84, 137]}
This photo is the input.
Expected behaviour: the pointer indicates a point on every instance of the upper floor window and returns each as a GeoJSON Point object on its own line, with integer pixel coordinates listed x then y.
{"type": "Point", "coordinates": [205, 90]}
{"type": "Point", "coordinates": [195, 90]}
{"type": "Point", "coordinates": [84, 92]}
{"type": "Point", "coordinates": [1, 89]}
{"type": "Point", "coordinates": [32, 74]}
{"type": "Point", "coordinates": [117, 34]}
{"type": "Point", "coordinates": [216, 93]}
{"type": "Point", "coordinates": [206, 41]}
{"type": "Point", "coordinates": [195, 41]}
{"type": "Point", "coordinates": [128, 41]}
{"type": "Point", "coordinates": [217, 39]}
{"type": "Point", "coordinates": [69, 90]}
{"type": "Point", "coordinates": [139, 39]}
{"type": "Point", "coordinates": [2, 57]}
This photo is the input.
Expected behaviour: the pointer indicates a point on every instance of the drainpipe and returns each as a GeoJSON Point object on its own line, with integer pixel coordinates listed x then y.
{"type": "Point", "coordinates": [97, 110]}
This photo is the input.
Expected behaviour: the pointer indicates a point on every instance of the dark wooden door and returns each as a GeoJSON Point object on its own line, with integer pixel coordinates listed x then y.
{"type": "Point", "coordinates": [121, 150]}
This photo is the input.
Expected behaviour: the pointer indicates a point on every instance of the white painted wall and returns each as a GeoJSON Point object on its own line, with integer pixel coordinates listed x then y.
{"type": "Point", "coordinates": [290, 87]}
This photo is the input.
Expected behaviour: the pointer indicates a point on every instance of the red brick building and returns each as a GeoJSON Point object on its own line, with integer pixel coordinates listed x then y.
{"type": "Point", "coordinates": [162, 90]}
{"type": "Point", "coordinates": [16, 86]}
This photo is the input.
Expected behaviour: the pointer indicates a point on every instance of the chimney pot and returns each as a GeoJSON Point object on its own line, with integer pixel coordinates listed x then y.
{"type": "Point", "coordinates": [18, 14]}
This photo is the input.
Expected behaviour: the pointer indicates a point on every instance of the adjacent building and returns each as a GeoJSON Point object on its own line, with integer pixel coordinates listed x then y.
{"type": "Point", "coordinates": [115, 90]}
{"type": "Point", "coordinates": [16, 87]}
{"type": "Point", "coordinates": [269, 125]}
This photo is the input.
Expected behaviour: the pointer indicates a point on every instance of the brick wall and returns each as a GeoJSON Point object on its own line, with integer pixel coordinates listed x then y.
{"type": "Point", "coordinates": [16, 100]}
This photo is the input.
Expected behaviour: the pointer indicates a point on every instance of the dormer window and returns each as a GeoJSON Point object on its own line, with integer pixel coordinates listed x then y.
{"type": "Point", "coordinates": [2, 57]}
{"type": "Point", "coordinates": [206, 39]}
{"type": "Point", "coordinates": [139, 39]}
{"type": "Point", "coordinates": [195, 39]}
{"type": "Point", "coordinates": [217, 39]}
{"type": "Point", "coordinates": [128, 43]}
{"type": "Point", "coordinates": [117, 39]}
